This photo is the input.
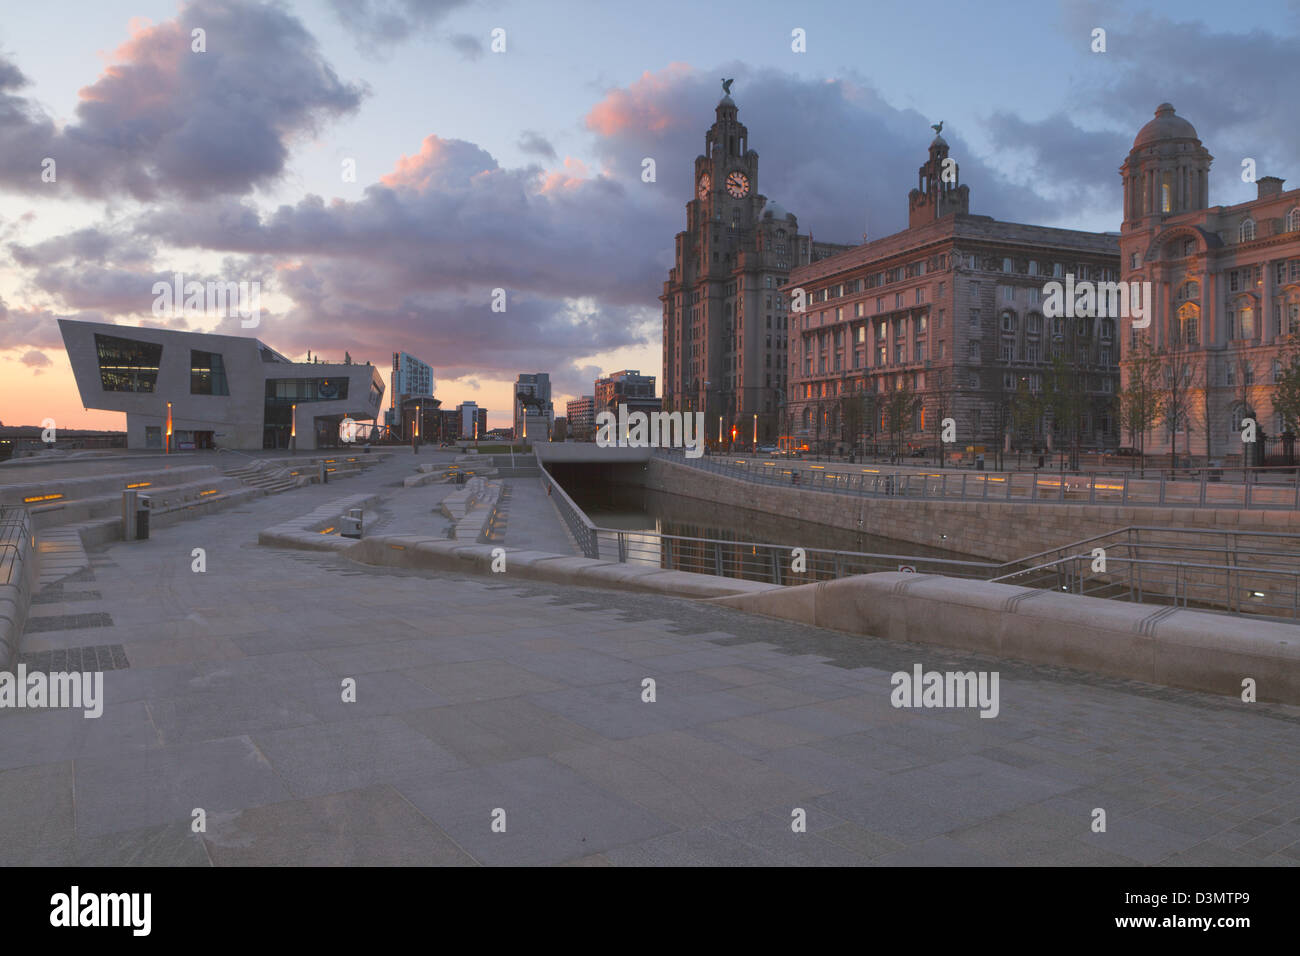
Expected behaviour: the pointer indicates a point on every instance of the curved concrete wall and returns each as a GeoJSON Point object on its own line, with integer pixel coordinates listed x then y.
{"type": "Point", "coordinates": [1159, 645]}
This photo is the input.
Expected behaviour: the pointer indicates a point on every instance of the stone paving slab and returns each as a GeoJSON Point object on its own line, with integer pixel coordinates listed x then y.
{"type": "Point", "coordinates": [482, 692]}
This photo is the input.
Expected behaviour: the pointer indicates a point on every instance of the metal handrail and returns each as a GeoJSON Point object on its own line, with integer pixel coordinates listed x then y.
{"type": "Point", "coordinates": [584, 532]}
{"type": "Point", "coordinates": [1165, 491]}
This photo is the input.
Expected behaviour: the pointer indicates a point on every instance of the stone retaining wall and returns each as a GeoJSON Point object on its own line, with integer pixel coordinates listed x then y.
{"type": "Point", "coordinates": [1159, 645]}
{"type": "Point", "coordinates": [997, 530]}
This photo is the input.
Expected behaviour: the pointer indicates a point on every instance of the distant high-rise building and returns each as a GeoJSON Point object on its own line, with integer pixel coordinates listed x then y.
{"type": "Point", "coordinates": [411, 379]}
{"type": "Point", "coordinates": [473, 420]}
{"type": "Point", "coordinates": [628, 387]}
{"type": "Point", "coordinates": [582, 417]}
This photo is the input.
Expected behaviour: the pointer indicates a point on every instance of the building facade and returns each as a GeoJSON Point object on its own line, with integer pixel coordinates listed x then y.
{"type": "Point", "coordinates": [724, 321]}
{"type": "Point", "coordinates": [473, 420]}
{"type": "Point", "coordinates": [1226, 282]}
{"type": "Point", "coordinates": [628, 387]}
{"type": "Point", "coordinates": [411, 378]}
{"type": "Point", "coordinates": [220, 390]}
{"type": "Point", "coordinates": [534, 413]}
{"type": "Point", "coordinates": [581, 413]}
{"type": "Point", "coordinates": [951, 313]}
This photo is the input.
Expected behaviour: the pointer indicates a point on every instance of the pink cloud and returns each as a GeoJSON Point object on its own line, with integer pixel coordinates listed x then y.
{"type": "Point", "coordinates": [440, 164]}
{"type": "Point", "coordinates": [643, 105]}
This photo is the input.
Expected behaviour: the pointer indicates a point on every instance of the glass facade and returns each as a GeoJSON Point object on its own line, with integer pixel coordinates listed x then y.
{"type": "Point", "coordinates": [127, 365]}
{"type": "Point", "coordinates": [207, 374]}
{"type": "Point", "coordinates": [283, 393]}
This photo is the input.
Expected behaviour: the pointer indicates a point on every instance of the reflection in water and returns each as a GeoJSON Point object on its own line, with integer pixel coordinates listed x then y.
{"type": "Point", "coordinates": [630, 508]}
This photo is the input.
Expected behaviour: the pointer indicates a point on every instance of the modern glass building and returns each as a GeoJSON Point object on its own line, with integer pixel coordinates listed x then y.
{"type": "Point", "coordinates": [220, 390]}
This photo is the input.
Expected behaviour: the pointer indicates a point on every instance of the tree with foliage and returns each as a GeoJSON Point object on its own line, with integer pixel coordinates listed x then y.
{"type": "Point", "coordinates": [1286, 391]}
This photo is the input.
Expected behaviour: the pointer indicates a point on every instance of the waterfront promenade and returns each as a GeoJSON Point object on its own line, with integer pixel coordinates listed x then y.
{"type": "Point", "coordinates": [478, 694]}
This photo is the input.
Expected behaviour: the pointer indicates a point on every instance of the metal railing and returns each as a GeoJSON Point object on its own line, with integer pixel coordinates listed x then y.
{"type": "Point", "coordinates": [1273, 592]}
{"type": "Point", "coordinates": [579, 525]}
{"type": "Point", "coordinates": [1033, 487]}
{"type": "Point", "coordinates": [15, 531]}
{"type": "Point", "coordinates": [772, 563]}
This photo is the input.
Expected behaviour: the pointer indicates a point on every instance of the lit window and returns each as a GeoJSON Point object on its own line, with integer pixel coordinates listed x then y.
{"type": "Point", "coordinates": [1247, 231]}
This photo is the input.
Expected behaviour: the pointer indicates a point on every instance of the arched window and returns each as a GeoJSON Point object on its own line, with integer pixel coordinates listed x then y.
{"type": "Point", "coordinates": [1293, 220]}
{"type": "Point", "coordinates": [1189, 316]}
{"type": "Point", "coordinates": [1247, 231]}
{"type": "Point", "coordinates": [1189, 291]}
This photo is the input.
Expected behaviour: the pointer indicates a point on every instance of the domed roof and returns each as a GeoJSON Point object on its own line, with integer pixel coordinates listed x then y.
{"type": "Point", "coordinates": [939, 141]}
{"type": "Point", "coordinates": [774, 210]}
{"type": "Point", "coordinates": [1166, 125]}
{"type": "Point", "coordinates": [726, 101]}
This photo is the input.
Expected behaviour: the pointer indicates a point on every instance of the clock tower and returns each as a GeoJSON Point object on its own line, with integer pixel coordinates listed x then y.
{"type": "Point", "coordinates": [724, 319]}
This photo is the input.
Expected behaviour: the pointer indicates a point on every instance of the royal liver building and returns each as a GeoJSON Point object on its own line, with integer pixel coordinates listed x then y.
{"type": "Point", "coordinates": [724, 319]}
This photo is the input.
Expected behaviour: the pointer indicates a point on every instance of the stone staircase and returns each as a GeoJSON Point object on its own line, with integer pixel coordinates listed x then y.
{"type": "Point", "coordinates": [269, 478]}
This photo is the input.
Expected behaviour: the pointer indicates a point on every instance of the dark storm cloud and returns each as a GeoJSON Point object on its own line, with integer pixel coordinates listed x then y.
{"type": "Point", "coordinates": [163, 120]}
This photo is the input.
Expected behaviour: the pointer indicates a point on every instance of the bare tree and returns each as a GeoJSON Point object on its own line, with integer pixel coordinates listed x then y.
{"type": "Point", "coordinates": [1177, 368]}
{"type": "Point", "coordinates": [900, 407]}
{"type": "Point", "coordinates": [1139, 401]}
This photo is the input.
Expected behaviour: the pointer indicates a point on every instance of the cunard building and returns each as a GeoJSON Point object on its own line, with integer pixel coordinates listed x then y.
{"type": "Point", "coordinates": [725, 323]}
{"type": "Point", "coordinates": [950, 311]}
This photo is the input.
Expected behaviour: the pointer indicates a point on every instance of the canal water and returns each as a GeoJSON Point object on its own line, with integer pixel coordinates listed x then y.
{"type": "Point", "coordinates": [630, 508]}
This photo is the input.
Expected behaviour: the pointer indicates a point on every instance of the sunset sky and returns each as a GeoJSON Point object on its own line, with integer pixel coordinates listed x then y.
{"type": "Point", "coordinates": [522, 169]}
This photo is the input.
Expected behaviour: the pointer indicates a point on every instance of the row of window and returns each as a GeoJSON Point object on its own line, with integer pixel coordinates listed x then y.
{"type": "Point", "coordinates": [1247, 231]}
{"type": "Point", "coordinates": [129, 365]}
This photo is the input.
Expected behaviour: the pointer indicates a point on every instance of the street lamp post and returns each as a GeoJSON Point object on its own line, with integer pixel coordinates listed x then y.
{"type": "Point", "coordinates": [168, 447]}
{"type": "Point", "coordinates": [293, 429]}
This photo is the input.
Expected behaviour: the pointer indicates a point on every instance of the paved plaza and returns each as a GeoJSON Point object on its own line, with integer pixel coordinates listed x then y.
{"type": "Point", "coordinates": [479, 699]}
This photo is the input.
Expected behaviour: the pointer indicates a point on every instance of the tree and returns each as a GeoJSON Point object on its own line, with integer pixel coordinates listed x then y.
{"type": "Point", "coordinates": [1025, 412]}
{"type": "Point", "coordinates": [1139, 401]}
{"type": "Point", "coordinates": [900, 406]}
{"type": "Point", "coordinates": [1286, 391]}
{"type": "Point", "coordinates": [1176, 394]}
{"type": "Point", "coordinates": [1065, 396]}
{"type": "Point", "coordinates": [853, 413]}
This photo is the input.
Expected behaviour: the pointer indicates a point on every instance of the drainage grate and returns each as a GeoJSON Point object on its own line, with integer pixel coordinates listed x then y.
{"type": "Point", "coordinates": [99, 657]}
{"type": "Point", "coordinates": [67, 622]}
{"type": "Point", "coordinates": [54, 594]}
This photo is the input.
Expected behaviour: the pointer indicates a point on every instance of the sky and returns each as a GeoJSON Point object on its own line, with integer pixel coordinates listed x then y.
{"type": "Point", "coordinates": [379, 168]}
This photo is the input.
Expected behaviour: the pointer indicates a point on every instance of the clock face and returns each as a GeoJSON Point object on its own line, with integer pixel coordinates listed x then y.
{"type": "Point", "coordinates": [705, 183]}
{"type": "Point", "coordinates": [738, 184]}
